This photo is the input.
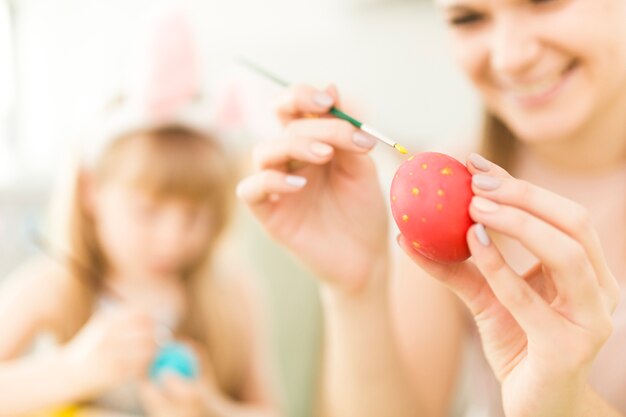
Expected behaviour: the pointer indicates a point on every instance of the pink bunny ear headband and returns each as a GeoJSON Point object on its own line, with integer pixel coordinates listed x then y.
{"type": "Point", "coordinates": [164, 88]}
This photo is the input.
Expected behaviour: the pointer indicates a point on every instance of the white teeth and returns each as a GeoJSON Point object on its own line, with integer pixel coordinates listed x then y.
{"type": "Point", "coordinates": [536, 89]}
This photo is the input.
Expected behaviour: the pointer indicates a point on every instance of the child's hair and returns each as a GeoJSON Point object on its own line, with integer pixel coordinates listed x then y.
{"type": "Point", "coordinates": [166, 161]}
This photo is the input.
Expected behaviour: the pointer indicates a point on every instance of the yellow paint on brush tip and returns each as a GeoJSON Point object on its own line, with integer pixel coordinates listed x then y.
{"type": "Point", "coordinates": [401, 149]}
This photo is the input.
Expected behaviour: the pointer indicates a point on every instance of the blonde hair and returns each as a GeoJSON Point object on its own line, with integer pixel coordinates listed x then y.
{"type": "Point", "coordinates": [166, 161]}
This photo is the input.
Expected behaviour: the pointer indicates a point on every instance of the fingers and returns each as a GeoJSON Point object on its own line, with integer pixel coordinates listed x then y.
{"type": "Point", "coordinates": [172, 392]}
{"type": "Point", "coordinates": [496, 184]}
{"type": "Point", "coordinates": [477, 164]}
{"type": "Point", "coordinates": [179, 389]}
{"type": "Point", "coordinates": [301, 100]}
{"type": "Point", "coordinates": [573, 275]}
{"type": "Point", "coordinates": [532, 313]}
{"type": "Point", "coordinates": [312, 141]}
{"type": "Point", "coordinates": [462, 278]}
{"type": "Point", "coordinates": [305, 142]}
{"type": "Point", "coordinates": [268, 186]}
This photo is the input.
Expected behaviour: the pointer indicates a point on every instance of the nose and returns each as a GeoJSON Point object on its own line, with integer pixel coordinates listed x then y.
{"type": "Point", "coordinates": [514, 48]}
{"type": "Point", "coordinates": [169, 236]}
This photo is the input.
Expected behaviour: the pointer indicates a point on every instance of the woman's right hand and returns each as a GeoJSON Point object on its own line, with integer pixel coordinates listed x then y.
{"type": "Point", "coordinates": [114, 346]}
{"type": "Point", "coordinates": [316, 191]}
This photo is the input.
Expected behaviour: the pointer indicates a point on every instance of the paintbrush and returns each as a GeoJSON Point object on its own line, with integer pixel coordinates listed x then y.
{"type": "Point", "coordinates": [333, 110]}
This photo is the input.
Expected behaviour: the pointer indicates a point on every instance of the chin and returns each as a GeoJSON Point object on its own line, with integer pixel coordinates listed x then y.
{"type": "Point", "coordinates": [163, 269]}
{"type": "Point", "coordinates": [548, 125]}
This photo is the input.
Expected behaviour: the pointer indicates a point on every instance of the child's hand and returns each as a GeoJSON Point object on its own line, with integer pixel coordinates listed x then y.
{"type": "Point", "coordinates": [316, 191]}
{"type": "Point", "coordinates": [541, 331]}
{"type": "Point", "coordinates": [174, 396]}
{"type": "Point", "coordinates": [112, 347]}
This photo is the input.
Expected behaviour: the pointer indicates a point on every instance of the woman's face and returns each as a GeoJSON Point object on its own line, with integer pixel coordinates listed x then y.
{"type": "Point", "coordinates": [547, 68]}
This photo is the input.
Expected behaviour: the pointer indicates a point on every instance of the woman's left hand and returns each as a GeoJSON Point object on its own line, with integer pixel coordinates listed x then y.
{"type": "Point", "coordinates": [542, 330]}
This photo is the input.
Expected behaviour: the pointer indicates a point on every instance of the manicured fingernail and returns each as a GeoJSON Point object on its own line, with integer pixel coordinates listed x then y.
{"type": "Point", "coordinates": [296, 181]}
{"type": "Point", "coordinates": [484, 205]}
{"type": "Point", "coordinates": [481, 234]}
{"type": "Point", "coordinates": [479, 162]}
{"type": "Point", "coordinates": [321, 149]}
{"type": "Point", "coordinates": [363, 140]}
{"type": "Point", "coordinates": [323, 99]}
{"type": "Point", "coordinates": [486, 182]}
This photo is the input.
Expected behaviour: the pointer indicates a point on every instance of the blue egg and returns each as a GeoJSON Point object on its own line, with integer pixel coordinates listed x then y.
{"type": "Point", "coordinates": [177, 359]}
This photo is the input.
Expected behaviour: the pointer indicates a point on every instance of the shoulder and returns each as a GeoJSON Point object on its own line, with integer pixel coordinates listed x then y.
{"type": "Point", "coordinates": [43, 288]}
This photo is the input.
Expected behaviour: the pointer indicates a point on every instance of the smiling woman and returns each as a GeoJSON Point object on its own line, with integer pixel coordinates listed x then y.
{"type": "Point", "coordinates": [541, 288]}
{"type": "Point", "coordinates": [534, 63]}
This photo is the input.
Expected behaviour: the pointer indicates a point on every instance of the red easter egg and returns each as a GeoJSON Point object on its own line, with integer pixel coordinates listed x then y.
{"type": "Point", "coordinates": [430, 198]}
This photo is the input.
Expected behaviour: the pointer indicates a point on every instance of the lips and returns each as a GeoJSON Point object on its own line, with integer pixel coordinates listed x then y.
{"type": "Point", "coordinates": [538, 92]}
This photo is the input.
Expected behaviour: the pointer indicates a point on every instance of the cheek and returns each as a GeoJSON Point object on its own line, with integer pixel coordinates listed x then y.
{"type": "Point", "coordinates": [471, 53]}
{"type": "Point", "coordinates": [199, 238]}
{"type": "Point", "coordinates": [119, 233]}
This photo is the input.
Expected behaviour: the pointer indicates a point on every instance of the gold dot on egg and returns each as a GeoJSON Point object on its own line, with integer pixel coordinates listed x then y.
{"type": "Point", "coordinates": [416, 245]}
{"type": "Point", "coordinates": [393, 198]}
{"type": "Point", "coordinates": [439, 206]}
{"type": "Point", "coordinates": [410, 174]}
{"type": "Point", "coordinates": [446, 171]}
{"type": "Point", "coordinates": [415, 191]}
{"type": "Point", "coordinates": [440, 192]}
{"type": "Point", "coordinates": [424, 166]}
{"type": "Point", "coordinates": [405, 218]}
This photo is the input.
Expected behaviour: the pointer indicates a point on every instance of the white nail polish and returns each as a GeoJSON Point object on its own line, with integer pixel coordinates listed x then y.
{"type": "Point", "coordinates": [479, 162]}
{"type": "Point", "coordinates": [486, 182]}
{"type": "Point", "coordinates": [484, 205]}
{"type": "Point", "coordinates": [323, 99]}
{"type": "Point", "coordinates": [363, 140]}
{"type": "Point", "coordinates": [296, 181]}
{"type": "Point", "coordinates": [321, 149]}
{"type": "Point", "coordinates": [481, 234]}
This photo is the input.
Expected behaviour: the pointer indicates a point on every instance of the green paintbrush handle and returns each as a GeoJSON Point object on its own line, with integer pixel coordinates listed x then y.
{"type": "Point", "coordinates": [338, 113]}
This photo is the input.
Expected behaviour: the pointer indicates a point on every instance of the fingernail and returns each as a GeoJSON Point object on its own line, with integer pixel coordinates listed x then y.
{"type": "Point", "coordinates": [321, 149]}
{"type": "Point", "coordinates": [486, 182]}
{"type": "Point", "coordinates": [479, 162]}
{"type": "Point", "coordinates": [484, 205]}
{"type": "Point", "coordinates": [296, 181]}
{"type": "Point", "coordinates": [481, 234]}
{"type": "Point", "coordinates": [363, 140]}
{"type": "Point", "coordinates": [323, 99]}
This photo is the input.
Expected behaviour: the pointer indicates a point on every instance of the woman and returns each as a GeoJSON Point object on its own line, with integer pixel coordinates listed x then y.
{"type": "Point", "coordinates": [547, 248]}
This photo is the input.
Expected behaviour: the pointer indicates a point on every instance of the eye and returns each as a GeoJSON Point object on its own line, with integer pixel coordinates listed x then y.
{"type": "Point", "coordinates": [546, 3]}
{"type": "Point", "coordinates": [466, 19]}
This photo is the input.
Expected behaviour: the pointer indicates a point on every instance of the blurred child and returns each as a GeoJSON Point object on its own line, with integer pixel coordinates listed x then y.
{"type": "Point", "coordinates": [134, 271]}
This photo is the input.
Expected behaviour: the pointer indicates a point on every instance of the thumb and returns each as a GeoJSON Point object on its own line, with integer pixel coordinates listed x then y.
{"type": "Point", "coordinates": [463, 278]}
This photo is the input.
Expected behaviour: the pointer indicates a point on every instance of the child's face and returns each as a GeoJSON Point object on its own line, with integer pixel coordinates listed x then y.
{"type": "Point", "coordinates": [143, 235]}
{"type": "Point", "coordinates": [546, 67]}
